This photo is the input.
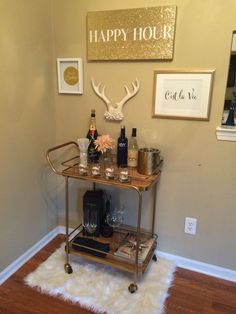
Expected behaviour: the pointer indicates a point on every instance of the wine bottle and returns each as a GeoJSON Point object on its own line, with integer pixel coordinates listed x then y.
{"type": "Point", "coordinates": [92, 135]}
{"type": "Point", "coordinates": [122, 148]}
{"type": "Point", "coordinates": [133, 150]}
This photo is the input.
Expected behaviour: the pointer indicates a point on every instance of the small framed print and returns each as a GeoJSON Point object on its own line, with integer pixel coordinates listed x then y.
{"type": "Point", "coordinates": [182, 94]}
{"type": "Point", "coordinates": [70, 75]}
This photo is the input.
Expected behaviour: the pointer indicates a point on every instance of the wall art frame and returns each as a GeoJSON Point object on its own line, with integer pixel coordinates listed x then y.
{"type": "Point", "coordinates": [182, 94]}
{"type": "Point", "coordinates": [70, 75]}
{"type": "Point", "coordinates": [146, 33]}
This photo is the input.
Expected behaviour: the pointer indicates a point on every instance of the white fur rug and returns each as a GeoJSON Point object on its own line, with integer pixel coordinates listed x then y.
{"type": "Point", "coordinates": [101, 288]}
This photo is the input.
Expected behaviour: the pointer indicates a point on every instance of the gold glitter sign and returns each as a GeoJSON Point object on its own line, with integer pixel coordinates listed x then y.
{"type": "Point", "coordinates": [132, 34]}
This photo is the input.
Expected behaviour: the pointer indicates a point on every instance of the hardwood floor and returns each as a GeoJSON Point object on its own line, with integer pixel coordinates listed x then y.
{"type": "Point", "coordinates": [196, 293]}
{"type": "Point", "coordinates": [191, 293]}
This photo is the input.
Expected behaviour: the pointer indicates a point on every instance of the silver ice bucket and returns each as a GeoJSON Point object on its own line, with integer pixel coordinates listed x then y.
{"type": "Point", "coordinates": [148, 160]}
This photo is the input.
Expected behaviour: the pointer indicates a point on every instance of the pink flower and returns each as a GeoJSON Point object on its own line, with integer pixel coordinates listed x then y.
{"type": "Point", "coordinates": [104, 142]}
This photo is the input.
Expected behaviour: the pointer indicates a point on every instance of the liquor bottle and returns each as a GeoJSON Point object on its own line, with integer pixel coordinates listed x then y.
{"type": "Point", "coordinates": [230, 118]}
{"type": "Point", "coordinates": [122, 148]}
{"type": "Point", "coordinates": [133, 150]}
{"type": "Point", "coordinates": [92, 135]}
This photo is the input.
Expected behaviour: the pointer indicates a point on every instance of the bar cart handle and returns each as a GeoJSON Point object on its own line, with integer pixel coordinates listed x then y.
{"type": "Point", "coordinates": [50, 150]}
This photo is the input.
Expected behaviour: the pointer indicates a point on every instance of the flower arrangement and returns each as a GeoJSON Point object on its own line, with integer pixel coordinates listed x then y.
{"type": "Point", "coordinates": [103, 143]}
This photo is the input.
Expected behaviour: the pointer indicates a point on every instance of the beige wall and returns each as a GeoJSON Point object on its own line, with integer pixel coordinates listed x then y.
{"type": "Point", "coordinates": [27, 120]}
{"type": "Point", "coordinates": [199, 172]}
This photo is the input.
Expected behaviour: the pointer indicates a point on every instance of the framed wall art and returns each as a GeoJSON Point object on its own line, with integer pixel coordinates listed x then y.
{"type": "Point", "coordinates": [182, 94]}
{"type": "Point", "coordinates": [132, 34]}
{"type": "Point", "coordinates": [70, 75]}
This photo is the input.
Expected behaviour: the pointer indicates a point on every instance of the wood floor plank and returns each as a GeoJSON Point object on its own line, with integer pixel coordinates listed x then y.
{"type": "Point", "coordinates": [191, 292]}
{"type": "Point", "coordinates": [196, 293]}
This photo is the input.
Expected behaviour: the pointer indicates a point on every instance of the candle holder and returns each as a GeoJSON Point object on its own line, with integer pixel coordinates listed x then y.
{"type": "Point", "coordinates": [124, 174]}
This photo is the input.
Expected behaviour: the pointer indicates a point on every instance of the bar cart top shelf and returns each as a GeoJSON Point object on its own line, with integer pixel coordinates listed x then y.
{"type": "Point", "coordinates": [70, 169]}
{"type": "Point", "coordinates": [138, 181]}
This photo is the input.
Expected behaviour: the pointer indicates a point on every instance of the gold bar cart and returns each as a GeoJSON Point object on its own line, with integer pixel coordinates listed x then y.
{"type": "Point", "coordinates": [139, 183]}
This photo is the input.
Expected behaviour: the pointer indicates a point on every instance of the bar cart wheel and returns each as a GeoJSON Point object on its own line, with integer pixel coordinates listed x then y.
{"type": "Point", "coordinates": [68, 268]}
{"type": "Point", "coordinates": [154, 258]}
{"type": "Point", "coordinates": [133, 287]}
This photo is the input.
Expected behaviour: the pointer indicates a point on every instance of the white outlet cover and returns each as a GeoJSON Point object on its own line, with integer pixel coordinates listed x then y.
{"type": "Point", "coordinates": [190, 226]}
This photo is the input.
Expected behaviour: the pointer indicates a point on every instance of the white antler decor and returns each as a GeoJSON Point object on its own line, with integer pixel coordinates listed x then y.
{"type": "Point", "coordinates": [114, 110]}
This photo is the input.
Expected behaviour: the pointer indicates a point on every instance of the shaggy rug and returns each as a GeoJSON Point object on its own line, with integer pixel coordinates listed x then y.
{"type": "Point", "coordinates": [102, 288]}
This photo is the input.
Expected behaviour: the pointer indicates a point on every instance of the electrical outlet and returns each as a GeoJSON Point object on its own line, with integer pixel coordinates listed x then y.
{"type": "Point", "coordinates": [190, 225]}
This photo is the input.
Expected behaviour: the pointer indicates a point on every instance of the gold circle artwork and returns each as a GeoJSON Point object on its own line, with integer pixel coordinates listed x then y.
{"type": "Point", "coordinates": [71, 76]}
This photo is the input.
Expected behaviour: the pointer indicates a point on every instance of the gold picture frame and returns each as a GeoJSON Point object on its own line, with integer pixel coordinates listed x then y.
{"type": "Point", "coordinates": [70, 75]}
{"type": "Point", "coordinates": [182, 94]}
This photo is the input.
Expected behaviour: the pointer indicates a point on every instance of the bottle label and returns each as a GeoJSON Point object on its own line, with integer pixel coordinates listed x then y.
{"type": "Point", "coordinates": [132, 158]}
{"type": "Point", "coordinates": [93, 154]}
{"type": "Point", "coordinates": [122, 145]}
{"type": "Point", "coordinates": [91, 135]}
{"type": "Point", "coordinates": [122, 151]}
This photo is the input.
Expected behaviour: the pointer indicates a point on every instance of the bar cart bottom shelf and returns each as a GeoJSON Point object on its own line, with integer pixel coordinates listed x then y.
{"type": "Point", "coordinates": [118, 251]}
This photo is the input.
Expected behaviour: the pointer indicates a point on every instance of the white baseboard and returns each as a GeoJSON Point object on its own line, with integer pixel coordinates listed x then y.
{"type": "Point", "coordinates": [208, 269]}
{"type": "Point", "coordinates": [204, 268]}
{"type": "Point", "coordinates": [14, 266]}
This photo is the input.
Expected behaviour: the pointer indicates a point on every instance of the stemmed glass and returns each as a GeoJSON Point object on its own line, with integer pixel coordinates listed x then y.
{"type": "Point", "coordinates": [90, 227]}
{"type": "Point", "coordinates": [90, 224]}
{"type": "Point", "coordinates": [114, 219]}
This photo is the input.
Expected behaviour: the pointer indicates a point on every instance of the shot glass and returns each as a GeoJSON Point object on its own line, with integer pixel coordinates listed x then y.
{"type": "Point", "coordinates": [124, 175]}
{"type": "Point", "coordinates": [110, 171]}
{"type": "Point", "coordinates": [83, 170]}
{"type": "Point", "coordinates": [96, 169]}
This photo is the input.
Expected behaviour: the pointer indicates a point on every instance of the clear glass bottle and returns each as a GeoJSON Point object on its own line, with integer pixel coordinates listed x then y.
{"type": "Point", "coordinates": [93, 154]}
{"type": "Point", "coordinates": [133, 150]}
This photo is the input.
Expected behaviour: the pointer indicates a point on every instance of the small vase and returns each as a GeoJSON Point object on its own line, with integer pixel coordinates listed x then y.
{"type": "Point", "coordinates": [106, 156]}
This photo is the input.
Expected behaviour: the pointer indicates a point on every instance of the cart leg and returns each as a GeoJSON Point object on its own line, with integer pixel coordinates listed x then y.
{"type": "Point", "coordinates": [133, 287]}
{"type": "Point", "coordinates": [154, 207]}
{"type": "Point", "coordinates": [67, 266]}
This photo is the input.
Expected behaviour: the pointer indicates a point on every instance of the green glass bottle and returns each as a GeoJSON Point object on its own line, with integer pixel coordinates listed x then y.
{"type": "Point", "coordinates": [93, 154]}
